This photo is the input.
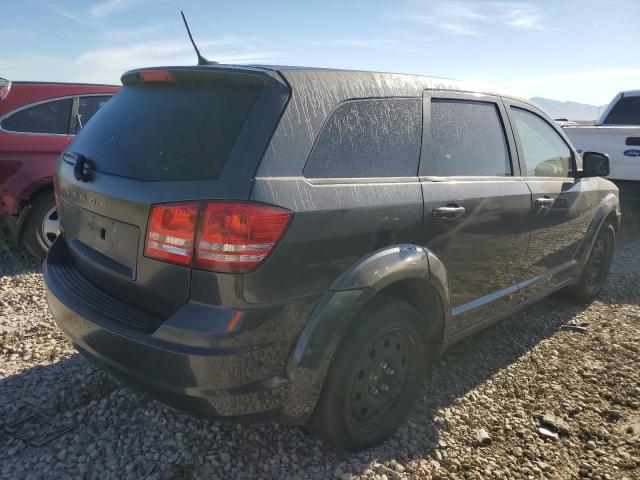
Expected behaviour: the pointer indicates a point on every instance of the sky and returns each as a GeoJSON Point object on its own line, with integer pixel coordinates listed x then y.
{"type": "Point", "coordinates": [584, 51]}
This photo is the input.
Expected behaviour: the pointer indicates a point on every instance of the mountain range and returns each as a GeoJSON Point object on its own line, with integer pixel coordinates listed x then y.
{"type": "Point", "coordinates": [569, 110]}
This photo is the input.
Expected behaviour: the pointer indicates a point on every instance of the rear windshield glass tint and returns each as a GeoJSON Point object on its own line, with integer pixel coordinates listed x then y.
{"type": "Point", "coordinates": [167, 132]}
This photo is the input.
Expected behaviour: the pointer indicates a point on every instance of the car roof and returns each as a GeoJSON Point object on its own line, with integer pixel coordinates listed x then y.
{"type": "Point", "coordinates": [392, 84]}
{"type": "Point", "coordinates": [428, 81]}
{"type": "Point", "coordinates": [67, 84]}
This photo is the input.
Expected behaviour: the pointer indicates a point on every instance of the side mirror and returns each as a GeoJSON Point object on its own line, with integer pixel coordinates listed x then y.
{"type": "Point", "coordinates": [595, 164]}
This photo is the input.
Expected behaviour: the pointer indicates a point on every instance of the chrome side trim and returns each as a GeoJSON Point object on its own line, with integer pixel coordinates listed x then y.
{"type": "Point", "coordinates": [478, 302]}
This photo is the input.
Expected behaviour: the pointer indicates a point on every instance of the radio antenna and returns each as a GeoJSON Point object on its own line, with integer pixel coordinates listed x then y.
{"type": "Point", "coordinates": [201, 59]}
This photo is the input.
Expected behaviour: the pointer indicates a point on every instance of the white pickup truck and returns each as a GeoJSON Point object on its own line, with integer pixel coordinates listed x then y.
{"type": "Point", "coordinates": [616, 133]}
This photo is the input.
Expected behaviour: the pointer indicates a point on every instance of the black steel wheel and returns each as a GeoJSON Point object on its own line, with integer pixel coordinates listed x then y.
{"type": "Point", "coordinates": [379, 377]}
{"type": "Point", "coordinates": [374, 378]}
{"type": "Point", "coordinates": [595, 266]}
{"type": "Point", "coordinates": [596, 269]}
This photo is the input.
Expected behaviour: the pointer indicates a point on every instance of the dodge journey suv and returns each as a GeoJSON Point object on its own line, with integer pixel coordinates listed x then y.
{"type": "Point", "coordinates": [296, 244]}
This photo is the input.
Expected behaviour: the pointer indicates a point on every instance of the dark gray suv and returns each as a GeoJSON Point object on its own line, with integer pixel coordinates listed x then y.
{"type": "Point", "coordinates": [296, 244]}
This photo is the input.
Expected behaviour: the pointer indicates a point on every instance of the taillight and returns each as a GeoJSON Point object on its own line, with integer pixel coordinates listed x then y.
{"type": "Point", "coordinates": [171, 232]}
{"type": "Point", "coordinates": [232, 237]}
{"type": "Point", "coordinates": [5, 86]}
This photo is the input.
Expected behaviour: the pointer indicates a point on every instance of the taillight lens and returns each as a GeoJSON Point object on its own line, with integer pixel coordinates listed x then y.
{"type": "Point", "coordinates": [237, 237]}
{"type": "Point", "coordinates": [231, 237]}
{"type": "Point", "coordinates": [171, 232]}
{"type": "Point", "coordinates": [5, 86]}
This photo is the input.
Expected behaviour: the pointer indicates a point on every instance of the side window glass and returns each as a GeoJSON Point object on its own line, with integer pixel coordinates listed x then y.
{"type": "Point", "coordinates": [545, 152]}
{"type": "Point", "coordinates": [469, 139]}
{"type": "Point", "coordinates": [48, 117]}
{"type": "Point", "coordinates": [369, 138]}
{"type": "Point", "coordinates": [87, 107]}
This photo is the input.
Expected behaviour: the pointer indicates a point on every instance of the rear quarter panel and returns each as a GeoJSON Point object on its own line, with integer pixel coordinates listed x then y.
{"type": "Point", "coordinates": [334, 225]}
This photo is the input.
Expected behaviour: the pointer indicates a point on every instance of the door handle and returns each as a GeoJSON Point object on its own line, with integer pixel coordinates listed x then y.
{"type": "Point", "coordinates": [544, 202]}
{"type": "Point", "coordinates": [449, 212]}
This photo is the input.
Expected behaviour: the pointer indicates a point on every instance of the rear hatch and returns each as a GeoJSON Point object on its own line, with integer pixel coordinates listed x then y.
{"type": "Point", "coordinates": [171, 134]}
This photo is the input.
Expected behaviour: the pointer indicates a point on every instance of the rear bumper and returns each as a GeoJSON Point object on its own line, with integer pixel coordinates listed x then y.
{"type": "Point", "coordinates": [187, 361]}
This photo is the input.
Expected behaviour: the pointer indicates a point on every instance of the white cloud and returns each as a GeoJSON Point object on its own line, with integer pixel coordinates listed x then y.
{"type": "Point", "coordinates": [94, 15]}
{"type": "Point", "coordinates": [389, 40]}
{"type": "Point", "coordinates": [523, 16]}
{"type": "Point", "coordinates": [473, 18]}
{"type": "Point", "coordinates": [108, 7]}
{"type": "Point", "coordinates": [590, 75]}
{"type": "Point", "coordinates": [379, 43]}
{"type": "Point", "coordinates": [107, 64]}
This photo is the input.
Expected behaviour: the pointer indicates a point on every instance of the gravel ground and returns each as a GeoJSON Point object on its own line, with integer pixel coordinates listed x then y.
{"type": "Point", "coordinates": [479, 414]}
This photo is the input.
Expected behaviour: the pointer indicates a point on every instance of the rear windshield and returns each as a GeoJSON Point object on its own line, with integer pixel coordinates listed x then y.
{"type": "Point", "coordinates": [625, 112]}
{"type": "Point", "coordinates": [167, 131]}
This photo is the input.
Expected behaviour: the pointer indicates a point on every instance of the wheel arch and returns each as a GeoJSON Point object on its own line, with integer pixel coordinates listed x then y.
{"type": "Point", "coordinates": [43, 187]}
{"type": "Point", "coordinates": [607, 211]}
{"type": "Point", "coordinates": [407, 272]}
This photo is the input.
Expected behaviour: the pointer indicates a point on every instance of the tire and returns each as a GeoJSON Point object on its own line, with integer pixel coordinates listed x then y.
{"type": "Point", "coordinates": [374, 378]}
{"type": "Point", "coordinates": [596, 269]}
{"type": "Point", "coordinates": [39, 229]}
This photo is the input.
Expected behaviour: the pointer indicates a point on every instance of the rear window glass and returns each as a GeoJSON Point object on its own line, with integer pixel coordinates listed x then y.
{"type": "Point", "coordinates": [625, 112]}
{"type": "Point", "coordinates": [48, 117]}
{"type": "Point", "coordinates": [167, 132]}
{"type": "Point", "coordinates": [369, 138]}
{"type": "Point", "coordinates": [468, 139]}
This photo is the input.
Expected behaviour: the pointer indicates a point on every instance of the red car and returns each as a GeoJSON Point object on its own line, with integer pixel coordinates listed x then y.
{"type": "Point", "coordinates": [37, 122]}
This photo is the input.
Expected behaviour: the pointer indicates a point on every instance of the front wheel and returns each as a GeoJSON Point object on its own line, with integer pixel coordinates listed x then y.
{"type": "Point", "coordinates": [374, 378]}
{"type": "Point", "coordinates": [597, 267]}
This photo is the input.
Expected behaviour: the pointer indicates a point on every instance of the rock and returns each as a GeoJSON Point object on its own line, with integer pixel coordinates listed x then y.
{"type": "Point", "coordinates": [483, 437]}
{"type": "Point", "coordinates": [556, 423]}
{"type": "Point", "coordinates": [546, 433]}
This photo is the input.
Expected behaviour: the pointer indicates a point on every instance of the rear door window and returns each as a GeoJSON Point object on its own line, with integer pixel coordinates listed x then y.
{"type": "Point", "coordinates": [167, 132]}
{"type": "Point", "coordinates": [369, 138]}
{"type": "Point", "coordinates": [545, 152]}
{"type": "Point", "coordinates": [87, 108]}
{"type": "Point", "coordinates": [468, 139]}
{"type": "Point", "coordinates": [625, 112]}
{"type": "Point", "coordinates": [50, 117]}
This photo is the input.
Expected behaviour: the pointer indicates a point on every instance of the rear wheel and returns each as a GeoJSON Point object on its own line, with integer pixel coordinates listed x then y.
{"type": "Point", "coordinates": [41, 226]}
{"type": "Point", "coordinates": [596, 270]}
{"type": "Point", "coordinates": [374, 378]}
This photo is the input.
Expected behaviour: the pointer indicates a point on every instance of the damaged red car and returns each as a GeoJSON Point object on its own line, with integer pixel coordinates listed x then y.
{"type": "Point", "coordinates": [38, 121]}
